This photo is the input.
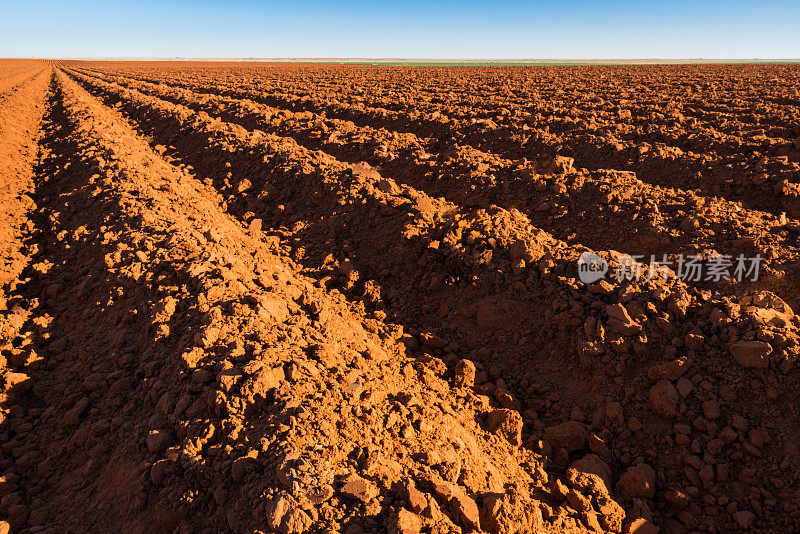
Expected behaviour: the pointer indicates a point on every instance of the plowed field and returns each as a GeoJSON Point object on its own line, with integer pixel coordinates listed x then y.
{"type": "Point", "coordinates": [286, 298]}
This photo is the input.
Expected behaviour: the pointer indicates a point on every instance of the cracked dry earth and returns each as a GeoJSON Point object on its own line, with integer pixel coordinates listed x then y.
{"type": "Point", "coordinates": [344, 299]}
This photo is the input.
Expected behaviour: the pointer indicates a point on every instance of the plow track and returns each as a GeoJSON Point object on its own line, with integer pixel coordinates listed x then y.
{"type": "Point", "coordinates": [673, 140]}
{"type": "Point", "coordinates": [22, 108]}
{"type": "Point", "coordinates": [639, 219]}
{"type": "Point", "coordinates": [235, 310]}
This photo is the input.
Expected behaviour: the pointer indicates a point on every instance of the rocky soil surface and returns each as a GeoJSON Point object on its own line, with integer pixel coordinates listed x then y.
{"type": "Point", "coordinates": [346, 299]}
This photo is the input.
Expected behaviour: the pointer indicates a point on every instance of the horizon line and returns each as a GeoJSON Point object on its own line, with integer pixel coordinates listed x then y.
{"type": "Point", "coordinates": [422, 60]}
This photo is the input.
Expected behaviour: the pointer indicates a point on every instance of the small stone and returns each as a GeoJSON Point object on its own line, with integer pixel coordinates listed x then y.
{"type": "Point", "coordinates": [706, 474]}
{"type": "Point", "coordinates": [94, 382]}
{"type": "Point", "coordinates": [664, 398]}
{"type": "Point", "coordinates": [320, 494]}
{"type": "Point", "coordinates": [634, 425]}
{"type": "Point", "coordinates": [578, 501]}
{"type": "Point", "coordinates": [677, 499]}
{"type": "Point", "coordinates": [158, 441]}
{"type": "Point", "coordinates": [739, 422]}
{"type": "Point", "coordinates": [743, 518]}
{"type": "Point", "coordinates": [598, 446]}
{"type": "Point", "coordinates": [571, 435]}
{"type": "Point", "coordinates": [506, 399]}
{"type": "Point", "coordinates": [464, 374]}
{"type": "Point", "coordinates": [405, 522]}
{"type": "Point", "coordinates": [466, 509]}
{"type": "Point", "coordinates": [614, 413]}
{"type": "Point", "coordinates": [384, 185]}
{"type": "Point", "coordinates": [684, 387]}
{"type": "Point", "coordinates": [593, 464]}
{"type": "Point", "coordinates": [73, 416]}
{"type": "Point", "coordinates": [640, 525]}
{"type": "Point", "coordinates": [562, 164]}
{"type": "Point", "coordinates": [243, 185]}
{"type": "Point", "coordinates": [416, 499]}
{"type": "Point", "coordinates": [560, 490]}
{"type": "Point", "coordinates": [284, 516]}
{"type": "Point", "coordinates": [669, 370]}
{"type": "Point", "coordinates": [620, 322]}
{"type": "Point", "coordinates": [611, 513]}
{"type": "Point", "coordinates": [346, 267]}
{"type": "Point", "coordinates": [206, 337]}
{"type": "Point", "coordinates": [432, 340]}
{"type": "Point", "coordinates": [711, 409]}
{"type": "Point", "coordinates": [359, 488]}
{"type": "Point", "coordinates": [509, 512]}
{"type": "Point", "coordinates": [756, 438]}
{"type": "Point", "coordinates": [751, 354]}
{"type": "Point", "coordinates": [639, 481]}
{"type": "Point", "coordinates": [588, 483]}
{"type": "Point", "coordinates": [728, 434]}
{"type": "Point", "coordinates": [506, 423]}
{"type": "Point", "coordinates": [252, 367]}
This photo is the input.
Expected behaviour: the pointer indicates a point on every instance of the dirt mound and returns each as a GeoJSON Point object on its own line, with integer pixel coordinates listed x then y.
{"type": "Point", "coordinates": [212, 386]}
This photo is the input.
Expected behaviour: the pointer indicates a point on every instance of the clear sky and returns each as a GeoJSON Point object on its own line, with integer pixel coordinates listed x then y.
{"type": "Point", "coordinates": [611, 29]}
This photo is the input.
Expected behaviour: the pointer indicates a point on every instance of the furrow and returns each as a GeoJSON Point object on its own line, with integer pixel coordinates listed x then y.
{"type": "Point", "coordinates": [638, 219]}
{"type": "Point", "coordinates": [22, 111]}
{"type": "Point", "coordinates": [487, 283]}
{"type": "Point", "coordinates": [188, 351]}
{"type": "Point", "coordinates": [537, 135]}
{"type": "Point", "coordinates": [16, 79]}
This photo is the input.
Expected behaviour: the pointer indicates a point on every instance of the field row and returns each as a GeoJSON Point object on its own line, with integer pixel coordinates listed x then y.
{"type": "Point", "coordinates": [663, 148]}
{"type": "Point", "coordinates": [482, 276]}
{"type": "Point", "coordinates": [638, 218]}
{"type": "Point", "coordinates": [175, 368]}
{"type": "Point", "coordinates": [223, 310]}
{"type": "Point", "coordinates": [708, 91]}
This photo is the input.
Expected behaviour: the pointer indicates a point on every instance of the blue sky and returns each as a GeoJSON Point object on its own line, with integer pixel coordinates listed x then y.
{"type": "Point", "coordinates": [613, 29]}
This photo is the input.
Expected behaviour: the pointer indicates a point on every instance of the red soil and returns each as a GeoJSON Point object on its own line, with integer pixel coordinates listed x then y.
{"type": "Point", "coordinates": [316, 298]}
